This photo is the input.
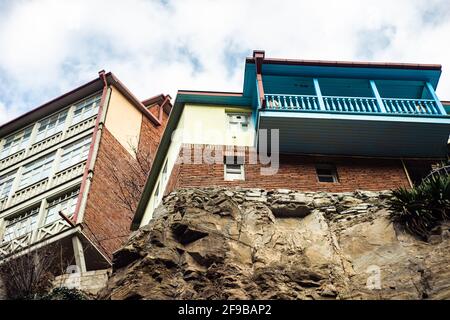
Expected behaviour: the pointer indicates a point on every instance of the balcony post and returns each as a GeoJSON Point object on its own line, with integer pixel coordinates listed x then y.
{"type": "Point", "coordinates": [436, 99]}
{"type": "Point", "coordinates": [319, 94]}
{"type": "Point", "coordinates": [377, 96]}
{"type": "Point", "coordinates": [79, 254]}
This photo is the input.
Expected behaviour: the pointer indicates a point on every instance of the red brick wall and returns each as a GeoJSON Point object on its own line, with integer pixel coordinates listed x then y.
{"type": "Point", "coordinates": [106, 220]}
{"type": "Point", "coordinates": [299, 173]}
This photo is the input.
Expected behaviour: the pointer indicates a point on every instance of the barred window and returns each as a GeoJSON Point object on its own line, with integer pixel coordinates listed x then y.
{"type": "Point", "coordinates": [65, 204]}
{"type": "Point", "coordinates": [20, 225]}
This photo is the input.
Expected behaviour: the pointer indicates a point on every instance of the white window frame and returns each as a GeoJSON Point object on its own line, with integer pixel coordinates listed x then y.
{"type": "Point", "coordinates": [9, 177]}
{"type": "Point", "coordinates": [27, 220]}
{"type": "Point", "coordinates": [60, 204]}
{"type": "Point", "coordinates": [17, 142]}
{"type": "Point", "coordinates": [234, 170]}
{"type": "Point", "coordinates": [39, 166]}
{"type": "Point", "coordinates": [74, 153]}
{"type": "Point", "coordinates": [332, 176]}
{"type": "Point", "coordinates": [44, 129]}
{"type": "Point", "coordinates": [86, 109]}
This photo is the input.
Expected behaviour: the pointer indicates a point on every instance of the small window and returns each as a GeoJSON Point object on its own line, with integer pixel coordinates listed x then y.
{"type": "Point", "coordinates": [238, 121]}
{"type": "Point", "coordinates": [156, 196]}
{"type": "Point", "coordinates": [164, 172]}
{"type": "Point", "coordinates": [327, 173]}
{"type": "Point", "coordinates": [234, 168]}
{"type": "Point", "coordinates": [6, 182]}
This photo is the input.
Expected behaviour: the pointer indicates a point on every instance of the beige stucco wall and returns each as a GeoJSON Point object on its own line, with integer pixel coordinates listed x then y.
{"type": "Point", "coordinates": [124, 121]}
{"type": "Point", "coordinates": [209, 125]}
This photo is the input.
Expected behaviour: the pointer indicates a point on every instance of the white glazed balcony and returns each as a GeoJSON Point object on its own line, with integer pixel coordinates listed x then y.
{"type": "Point", "coordinates": [28, 192]}
{"type": "Point", "coordinates": [12, 159]}
{"type": "Point", "coordinates": [16, 244]}
{"type": "Point", "coordinates": [46, 143]}
{"type": "Point", "coordinates": [81, 126]}
{"type": "Point", "coordinates": [68, 174]}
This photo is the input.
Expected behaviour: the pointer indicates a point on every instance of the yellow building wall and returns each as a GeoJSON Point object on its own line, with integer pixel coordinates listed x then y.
{"type": "Point", "coordinates": [199, 125]}
{"type": "Point", "coordinates": [209, 125]}
{"type": "Point", "coordinates": [124, 121]}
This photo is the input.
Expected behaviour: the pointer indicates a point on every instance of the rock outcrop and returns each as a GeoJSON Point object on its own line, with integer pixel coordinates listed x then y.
{"type": "Point", "coordinates": [253, 244]}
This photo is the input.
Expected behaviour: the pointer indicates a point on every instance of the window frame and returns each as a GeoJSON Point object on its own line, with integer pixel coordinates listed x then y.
{"type": "Point", "coordinates": [56, 203]}
{"type": "Point", "coordinates": [93, 102]}
{"type": "Point", "coordinates": [234, 176]}
{"type": "Point", "coordinates": [332, 176]}
{"type": "Point", "coordinates": [22, 137]}
{"type": "Point", "coordinates": [44, 161]}
{"type": "Point", "coordinates": [83, 145]}
{"type": "Point", "coordinates": [61, 118]}
{"type": "Point", "coordinates": [29, 215]}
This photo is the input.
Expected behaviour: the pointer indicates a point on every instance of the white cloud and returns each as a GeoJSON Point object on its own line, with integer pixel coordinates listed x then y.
{"type": "Point", "coordinates": [50, 46]}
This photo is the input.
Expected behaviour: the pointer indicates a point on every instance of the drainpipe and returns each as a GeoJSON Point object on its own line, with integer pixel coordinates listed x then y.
{"type": "Point", "coordinates": [259, 55]}
{"type": "Point", "coordinates": [86, 181]}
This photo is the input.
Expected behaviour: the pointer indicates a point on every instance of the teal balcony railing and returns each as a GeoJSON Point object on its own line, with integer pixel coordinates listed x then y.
{"type": "Point", "coordinates": [411, 106]}
{"type": "Point", "coordinates": [352, 105]}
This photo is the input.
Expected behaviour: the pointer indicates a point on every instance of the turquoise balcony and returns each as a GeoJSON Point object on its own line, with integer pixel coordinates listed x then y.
{"type": "Point", "coordinates": [355, 109]}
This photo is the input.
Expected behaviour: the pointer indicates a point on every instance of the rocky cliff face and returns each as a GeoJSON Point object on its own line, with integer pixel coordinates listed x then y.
{"type": "Point", "coordinates": [253, 244]}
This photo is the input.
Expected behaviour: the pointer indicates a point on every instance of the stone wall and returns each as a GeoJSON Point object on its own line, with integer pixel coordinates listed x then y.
{"type": "Point", "coordinates": [90, 282]}
{"type": "Point", "coordinates": [218, 243]}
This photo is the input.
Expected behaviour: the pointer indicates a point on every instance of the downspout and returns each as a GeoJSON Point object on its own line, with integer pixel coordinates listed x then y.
{"type": "Point", "coordinates": [259, 55]}
{"type": "Point", "coordinates": [86, 181]}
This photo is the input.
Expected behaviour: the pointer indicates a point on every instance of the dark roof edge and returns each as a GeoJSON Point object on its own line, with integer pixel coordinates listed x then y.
{"type": "Point", "coordinates": [348, 64]}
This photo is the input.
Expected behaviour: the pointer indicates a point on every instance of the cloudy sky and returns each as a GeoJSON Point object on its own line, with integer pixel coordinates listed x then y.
{"type": "Point", "coordinates": [48, 47]}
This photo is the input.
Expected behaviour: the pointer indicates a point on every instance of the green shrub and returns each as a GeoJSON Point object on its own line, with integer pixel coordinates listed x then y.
{"type": "Point", "coordinates": [421, 209]}
{"type": "Point", "coordinates": [63, 293]}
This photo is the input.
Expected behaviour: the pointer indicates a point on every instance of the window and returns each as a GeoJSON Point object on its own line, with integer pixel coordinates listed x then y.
{"type": "Point", "coordinates": [5, 184]}
{"type": "Point", "coordinates": [327, 173]}
{"type": "Point", "coordinates": [156, 196]}
{"type": "Point", "coordinates": [51, 125]}
{"type": "Point", "coordinates": [238, 122]}
{"type": "Point", "coordinates": [65, 204]}
{"type": "Point", "coordinates": [15, 143]}
{"type": "Point", "coordinates": [21, 225]}
{"type": "Point", "coordinates": [234, 168]}
{"type": "Point", "coordinates": [75, 153]}
{"type": "Point", "coordinates": [36, 171]}
{"type": "Point", "coordinates": [86, 109]}
{"type": "Point", "coordinates": [164, 172]}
